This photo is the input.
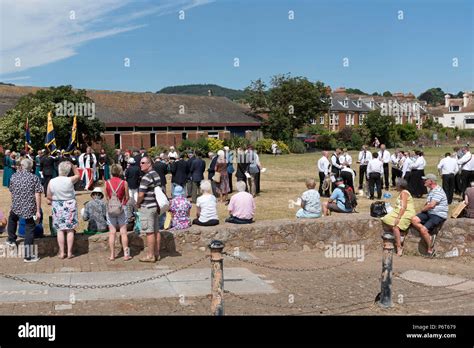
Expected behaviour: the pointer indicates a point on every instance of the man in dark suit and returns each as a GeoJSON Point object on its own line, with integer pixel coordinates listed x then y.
{"type": "Point", "coordinates": [47, 169]}
{"type": "Point", "coordinates": [161, 167]}
{"type": "Point", "coordinates": [178, 173]}
{"type": "Point", "coordinates": [198, 166]}
{"type": "Point", "coordinates": [140, 155]}
{"type": "Point", "coordinates": [189, 181]}
{"type": "Point", "coordinates": [211, 171]}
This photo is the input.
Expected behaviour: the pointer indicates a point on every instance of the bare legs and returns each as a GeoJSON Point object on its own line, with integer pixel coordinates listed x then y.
{"type": "Point", "coordinates": [70, 243]}
{"type": "Point", "coordinates": [124, 235]}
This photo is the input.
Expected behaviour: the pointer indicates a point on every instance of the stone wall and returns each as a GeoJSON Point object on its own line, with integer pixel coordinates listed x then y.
{"type": "Point", "coordinates": [455, 238]}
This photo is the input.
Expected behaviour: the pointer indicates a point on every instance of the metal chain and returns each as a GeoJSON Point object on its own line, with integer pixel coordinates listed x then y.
{"type": "Point", "coordinates": [103, 286]}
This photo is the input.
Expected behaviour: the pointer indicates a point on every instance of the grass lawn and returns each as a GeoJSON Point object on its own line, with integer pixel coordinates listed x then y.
{"type": "Point", "coordinates": [283, 181]}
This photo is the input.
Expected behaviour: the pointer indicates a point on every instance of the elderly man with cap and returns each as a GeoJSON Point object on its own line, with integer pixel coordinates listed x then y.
{"type": "Point", "coordinates": [337, 200]}
{"type": "Point", "coordinates": [132, 176]}
{"type": "Point", "coordinates": [434, 213]}
{"type": "Point", "coordinates": [95, 211]}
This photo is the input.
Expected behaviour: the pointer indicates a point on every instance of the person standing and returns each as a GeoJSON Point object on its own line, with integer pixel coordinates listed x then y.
{"type": "Point", "coordinates": [172, 153]}
{"type": "Point", "coordinates": [149, 211]}
{"type": "Point", "coordinates": [384, 157]}
{"type": "Point", "coordinates": [197, 175]}
{"type": "Point", "coordinates": [47, 170]}
{"type": "Point", "coordinates": [323, 170]}
{"type": "Point", "coordinates": [103, 165]}
{"type": "Point", "coordinates": [336, 166]}
{"type": "Point", "coordinates": [223, 185]}
{"type": "Point", "coordinates": [395, 162]}
{"type": "Point", "coordinates": [416, 187]}
{"type": "Point", "coordinates": [467, 168]}
{"type": "Point", "coordinates": [364, 157]}
{"type": "Point", "coordinates": [252, 170]}
{"type": "Point", "coordinates": [274, 148]}
{"type": "Point", "coordinates": [189, 183]}
{"type": "Point", "coordinates": [448, 167]}
{"type": "Point", "coordinates": [88, 162]}
{"type": "Point", "coordinates": [375, 171]}
{"type": "Point", "coordinates": [345, 159]}
{"type": "Point", "coordinates": [38, 163]}
{"type": "Point", "coordinates": [8, 168]}
{"type": "Point", "coordinates": [25, 189]}
{"type": "Point", "coordinates": [229, 155]}
{"type": "Point", "coordinates": [178, 173]}
{"type": "Point", "coordinates": [242, 167]}
{"type": "Point", "coordinates": [161, 167]}
{"type": "Point", "coordinates": [211, 171]}
{"type": "Point", "coordinates": [62, 197]}
{"type": "Point", "coordinates": [132, 176]}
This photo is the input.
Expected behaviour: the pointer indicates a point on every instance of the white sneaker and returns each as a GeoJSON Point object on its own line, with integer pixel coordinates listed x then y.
{"type": "Point", "coordinates": [32, 259]}
{"type": "Point", "coordinates": [10, 244]}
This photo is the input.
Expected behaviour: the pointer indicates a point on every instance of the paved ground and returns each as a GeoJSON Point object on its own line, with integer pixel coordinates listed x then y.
{"type": "Point", "coordinates": [337, 286]}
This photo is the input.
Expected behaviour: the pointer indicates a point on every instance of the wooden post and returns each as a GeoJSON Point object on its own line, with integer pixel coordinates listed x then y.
{"type": "Point", "coordinates": [386, 281]}
{"type": "Point", "coordinates": [217, 277]}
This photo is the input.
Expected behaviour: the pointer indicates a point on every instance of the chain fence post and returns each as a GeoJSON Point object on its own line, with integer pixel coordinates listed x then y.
{"type": "Point", "coordinates": [217, 277]}
{"type": "Point", "coordinates": [386, 279]}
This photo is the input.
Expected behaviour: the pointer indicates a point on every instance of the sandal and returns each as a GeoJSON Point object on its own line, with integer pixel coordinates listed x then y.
{"type": "Point", "coordinates": [62, 257]}
{"type": "Point", "coordinates": [111, 258]}
{"type": "Point", "coordinates": [400, 251]}
{"type": "Point", "coordinates": [431, 254]}
{"type": "Point", "coordinates": [127, 258]}
{"type": "Point", "coordinates": [71, 256]}
{"type": "Point", "coordinates": [146, 259]}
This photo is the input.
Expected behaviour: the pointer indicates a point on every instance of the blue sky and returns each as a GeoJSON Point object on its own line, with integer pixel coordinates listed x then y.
{"type": "Point", "coordinates": [384, 53]}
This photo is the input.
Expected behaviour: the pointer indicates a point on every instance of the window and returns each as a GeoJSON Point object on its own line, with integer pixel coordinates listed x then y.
{"type": "Point", "coordinates": [152, 139]}
{"type": "Point", "coordinates": [361, 118]}
{"type": "Point", "coordinates": [371, 104]}
{"type": "Point", "coordinates": [333, 120]}
{"type": "Point", "coordinates": [349, 119]}
{"type": "Point", "coordinates": [345, 103]}
{"type": "Point", "coordinates": [110, 129]}
{"type": "Point", "coordinates": [213, 135]}
{"type": "Point", "coordinates": [453, 121]}
{"type": "Point", "coordinates": [469, 120]}
{"type": "Point", "coordinates": [321, 120]}
{"type": "Point", "coordinates": [454, 108]}
{"type": "Point", "coordinates": [184, 135]}
{"type": "Point", "coordinates": [117, 141]}
{"type": "Point", "coordinates": [125, 129]}
{"type": "Point", "coordinates": [139, 129]}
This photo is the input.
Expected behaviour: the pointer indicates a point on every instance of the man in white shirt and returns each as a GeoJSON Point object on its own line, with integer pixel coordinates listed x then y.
{"type": "Point", "coordinates": [364, 157]}
{"type": "Point", "coordinates": [336, 165]}
{"type": "Point", "coordinates": [384, 157]}
{"type": "Point", "coordinates": [374, 175]}
{"type": "Point", "coordinates": [467, 168]}
{"type": "Point", "coordinates": [323, 169]}
{"type": "Point", "coordinates": [406, 166]}
{"type": "Point", "coordinates": [448, 167]}
{"type": "Point", "coordinates": [395, 161]}
{"type": "Point", "coordinates": [345, 158]}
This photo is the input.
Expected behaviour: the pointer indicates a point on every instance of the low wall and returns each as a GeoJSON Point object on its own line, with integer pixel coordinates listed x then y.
{"type": "Point", "coordinates": [455, 238]}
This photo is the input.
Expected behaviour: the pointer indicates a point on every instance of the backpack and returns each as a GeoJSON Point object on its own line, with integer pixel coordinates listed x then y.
{"type": "Point", "coordinates": [377, 209]}
{"type": "Point", "coordinates": [114, 206]}
{"type": "Point", "coordinates": [350, 198]}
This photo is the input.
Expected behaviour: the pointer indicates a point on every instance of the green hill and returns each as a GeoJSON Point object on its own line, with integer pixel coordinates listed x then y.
{"type": "Point", "coordinates": [202, 89]}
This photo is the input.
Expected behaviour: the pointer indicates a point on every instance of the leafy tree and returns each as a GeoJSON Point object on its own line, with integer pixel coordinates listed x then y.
{"type": "Point", "coordinates": [407, 131]}
{"type": "Point", "coordinates": [459, 95]}
{"type": "Point", "coordinates": [355, 91]}
{"type": "Point", "coordinates": [387, 94]}
{"type": "Point", "coordinates": [382, 127]}
{"type": "Point", "coordinates": [376, 94]}
{"type": "Point", "coordinates": [35, 107]}
{"type": "Point", "coordinates": [291, 102]}
{"type": "Point", "coordinates": [433, 96]}
{"type": "Point", "coordinates": [203, 90]}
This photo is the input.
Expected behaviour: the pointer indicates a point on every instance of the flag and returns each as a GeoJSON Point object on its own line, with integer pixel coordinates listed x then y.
{"type": "Point", "coordinates": [72, 146]}
{"type": "Point", "coordinates": [27, 137]}
{"type": "Point", "coordinates": [50, 139]}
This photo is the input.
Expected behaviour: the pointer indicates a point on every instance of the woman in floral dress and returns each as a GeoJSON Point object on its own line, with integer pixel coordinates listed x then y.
{"type": "Point", "coordinates": [62, 196]}
{"type": "Point", "coordinates": [180, 208]}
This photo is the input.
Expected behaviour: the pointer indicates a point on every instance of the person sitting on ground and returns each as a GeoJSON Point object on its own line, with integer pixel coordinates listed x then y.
{"type": "Point", "coordinates": [95, 211]}
{"type": "Point", "coordinates": [206, 214]}
{"type": "Point", "coordinates": [180, 208]}
{"type": "Point", "coordinates": [241, 206]}
{"type": "Point", "coordinates": [310, 202]}
{"type": "Point", "coordinates": [337, 201]}
{"type": "Point", "coordinates": [399, 219]}
{"type": "Point", "coordinates": [469, 200]}
{"type": "Point", "coordinates": [434, 213]}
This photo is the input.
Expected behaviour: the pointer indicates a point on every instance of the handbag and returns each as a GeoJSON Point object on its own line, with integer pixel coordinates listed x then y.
{"type": "Point", "coordinates": [377, 209]}
{"type": "Point", "coordinates": [217, 177]}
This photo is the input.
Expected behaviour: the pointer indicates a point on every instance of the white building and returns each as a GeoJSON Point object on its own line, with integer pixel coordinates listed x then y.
{"type": "Point", "coordinates": [456, 112]}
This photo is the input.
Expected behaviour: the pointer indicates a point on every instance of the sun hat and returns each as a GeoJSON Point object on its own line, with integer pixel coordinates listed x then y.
{"type": "Point", "coordinates": [97, 190]}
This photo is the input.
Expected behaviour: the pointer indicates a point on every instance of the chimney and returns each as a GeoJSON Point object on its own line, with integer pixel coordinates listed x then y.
{"type": "Point", "coordinates": [209, 92]}
{"type": "Point", "coordinates": [465, 99]}
{"type": "Point", "coordinates": [446, 100]}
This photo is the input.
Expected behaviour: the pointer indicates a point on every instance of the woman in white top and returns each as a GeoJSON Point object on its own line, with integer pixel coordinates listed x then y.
{"type": "Point", "coordinates": [172, 153]}
{"type": "Point", "coordinates": [62, 196]}
{"type": "Point", "coordinates": [206, 204]}
{"type": "Point", "coordinates": [416, 185]}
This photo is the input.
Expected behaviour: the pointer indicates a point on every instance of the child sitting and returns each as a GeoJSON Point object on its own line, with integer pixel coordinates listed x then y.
{"type": "Point", "coordinates": [95, 212]}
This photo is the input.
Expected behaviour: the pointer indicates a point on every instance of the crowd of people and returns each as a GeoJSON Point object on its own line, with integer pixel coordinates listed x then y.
{"type": "Point", "coordinates": [130, 180]}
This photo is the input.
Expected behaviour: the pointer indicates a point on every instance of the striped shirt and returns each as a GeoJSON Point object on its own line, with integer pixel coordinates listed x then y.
{"type": "Point", "coordinates": [441, 209]}
{"type": "Point", "coordinates": [147, 185]}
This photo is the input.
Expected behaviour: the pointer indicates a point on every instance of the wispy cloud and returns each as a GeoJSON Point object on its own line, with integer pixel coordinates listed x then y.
{"type": "Point", "coordinates": [38, 32]}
